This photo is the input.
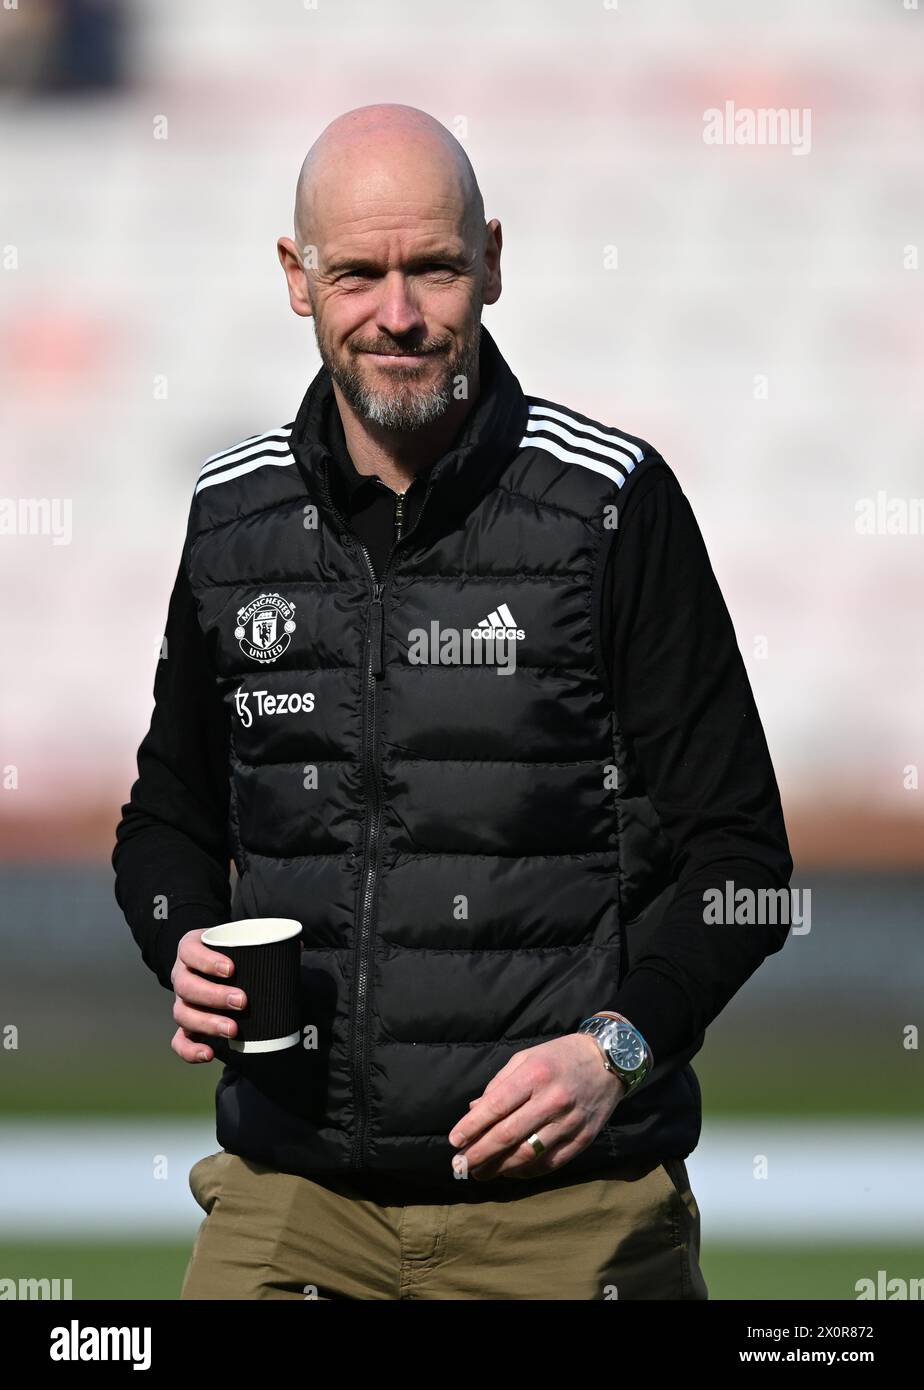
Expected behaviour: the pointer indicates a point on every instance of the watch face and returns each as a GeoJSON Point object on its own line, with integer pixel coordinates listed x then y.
{"type": "Point", "coordinates": [627, 1050]}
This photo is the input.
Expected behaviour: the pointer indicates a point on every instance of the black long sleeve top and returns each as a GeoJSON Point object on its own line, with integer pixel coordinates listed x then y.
{"type": "Point", "coordinates": [683, 697]}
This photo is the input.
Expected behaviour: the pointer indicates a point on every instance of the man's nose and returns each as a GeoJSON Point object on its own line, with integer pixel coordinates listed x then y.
{"type": "Point", "coordinates": [398, 311]}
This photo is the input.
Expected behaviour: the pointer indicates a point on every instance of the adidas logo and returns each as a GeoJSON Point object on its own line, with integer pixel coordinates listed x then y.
{"type": "Point", "coordinates": [499, 623]}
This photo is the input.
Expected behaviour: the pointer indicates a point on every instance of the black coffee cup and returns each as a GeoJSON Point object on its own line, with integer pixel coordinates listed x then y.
{"type": "Point", "coordinates": [267, 966]}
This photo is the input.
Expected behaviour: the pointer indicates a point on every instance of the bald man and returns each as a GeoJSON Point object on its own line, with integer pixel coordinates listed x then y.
{"type": "Point", "coordinates": [452, 683]}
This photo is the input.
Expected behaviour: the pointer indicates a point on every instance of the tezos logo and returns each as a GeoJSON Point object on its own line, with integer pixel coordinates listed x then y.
{"type": "Point", "coordinates": [264, 627]}
{"type": "Point", "coordinates": [270, 704]}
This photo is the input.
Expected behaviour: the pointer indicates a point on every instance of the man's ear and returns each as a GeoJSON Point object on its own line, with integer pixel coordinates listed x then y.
{"type": "Point", "coordinates": [294, 270]}
{"type": "Point", "coordinates": [492, 253]}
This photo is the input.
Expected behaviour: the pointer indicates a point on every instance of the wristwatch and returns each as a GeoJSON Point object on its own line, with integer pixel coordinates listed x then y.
{"type": "Point", "coordinates": [624, 1050]}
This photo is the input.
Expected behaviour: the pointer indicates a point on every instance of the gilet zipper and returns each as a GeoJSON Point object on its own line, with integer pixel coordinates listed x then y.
{"type": "Point", "coordinates": [374, 668]}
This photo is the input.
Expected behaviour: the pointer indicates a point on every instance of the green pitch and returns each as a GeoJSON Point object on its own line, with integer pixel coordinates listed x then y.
{"type": "Point", "coordinates": [130, 1270]}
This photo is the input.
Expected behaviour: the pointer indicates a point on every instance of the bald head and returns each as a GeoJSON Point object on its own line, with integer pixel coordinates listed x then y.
{"type": "Point", "coordinates": [386, 150]}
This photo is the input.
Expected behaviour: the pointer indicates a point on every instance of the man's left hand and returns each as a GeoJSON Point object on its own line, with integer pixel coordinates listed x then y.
{"type": "Point", "coordinates": [559, 1090]}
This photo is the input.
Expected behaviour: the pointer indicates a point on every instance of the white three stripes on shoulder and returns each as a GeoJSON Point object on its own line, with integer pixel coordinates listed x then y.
{"type": "Point", "coordinates": [601, 450]}
{"type": "Point", "coordinates": [270, 449]}
{"type": "Point", "coordinates": [593, 447]}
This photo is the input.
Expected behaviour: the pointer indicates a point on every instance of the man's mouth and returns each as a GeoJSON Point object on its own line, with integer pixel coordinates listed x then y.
{"type": "Point", "coordinates": [398, 358]}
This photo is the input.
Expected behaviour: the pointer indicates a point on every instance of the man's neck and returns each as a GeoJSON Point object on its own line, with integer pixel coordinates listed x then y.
{"type": "Point", "coordinates": [395, 457]}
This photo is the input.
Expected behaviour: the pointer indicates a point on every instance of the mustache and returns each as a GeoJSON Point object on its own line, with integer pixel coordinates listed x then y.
{"type": "Point", "coordinates": [393, 349]}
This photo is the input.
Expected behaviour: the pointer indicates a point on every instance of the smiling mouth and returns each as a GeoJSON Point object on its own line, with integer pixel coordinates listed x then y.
{"type": "Point", "coordinates": [406, 358]}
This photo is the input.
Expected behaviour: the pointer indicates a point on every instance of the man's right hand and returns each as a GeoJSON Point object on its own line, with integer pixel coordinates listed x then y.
{"type": "Point", "coordinates": [195, 997]}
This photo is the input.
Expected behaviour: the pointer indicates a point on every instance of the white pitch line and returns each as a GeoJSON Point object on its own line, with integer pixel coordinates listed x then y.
{"type": "Point", "coordinates": [840, 1180]}
{"type": "Point", "coordinates": [845, 1181]}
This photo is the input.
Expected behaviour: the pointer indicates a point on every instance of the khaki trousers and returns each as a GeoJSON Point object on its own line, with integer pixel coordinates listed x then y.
{"type": "Point", "coordinates": [268, 1234]}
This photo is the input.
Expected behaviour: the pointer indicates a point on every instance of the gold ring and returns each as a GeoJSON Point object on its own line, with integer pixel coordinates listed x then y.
{"type": "Point", "coordinates": [537, 1144]}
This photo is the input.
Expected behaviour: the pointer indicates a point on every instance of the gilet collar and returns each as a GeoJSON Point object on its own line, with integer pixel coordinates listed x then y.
{"type": "Point", "coordinates": [488, 436]}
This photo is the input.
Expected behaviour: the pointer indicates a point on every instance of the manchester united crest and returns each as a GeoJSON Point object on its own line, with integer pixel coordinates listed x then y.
{"type": "Point", "coordinates": [264, 627]}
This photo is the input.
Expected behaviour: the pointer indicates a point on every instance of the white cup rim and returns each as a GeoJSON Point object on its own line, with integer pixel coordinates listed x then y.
{"type": "Point", "coordinates": [252, 931]}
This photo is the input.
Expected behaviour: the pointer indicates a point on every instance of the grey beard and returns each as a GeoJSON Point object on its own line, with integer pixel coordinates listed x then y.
{"type": "Point", "coordinates": [401, 413]}
{"type": "Point", "coordinates": [407, 411]}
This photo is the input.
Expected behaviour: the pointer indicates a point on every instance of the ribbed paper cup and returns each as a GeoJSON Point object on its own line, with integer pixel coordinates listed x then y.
{"type": "Point", "coordinates": [267, 966]}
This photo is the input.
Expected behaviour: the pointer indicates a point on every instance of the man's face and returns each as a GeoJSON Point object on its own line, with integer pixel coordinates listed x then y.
{"type": "Point", "coordinates": [396, 300]}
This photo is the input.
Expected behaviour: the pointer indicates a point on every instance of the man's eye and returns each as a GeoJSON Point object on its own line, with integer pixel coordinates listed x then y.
{"type": "Point", "coordinates": [433, 268]}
